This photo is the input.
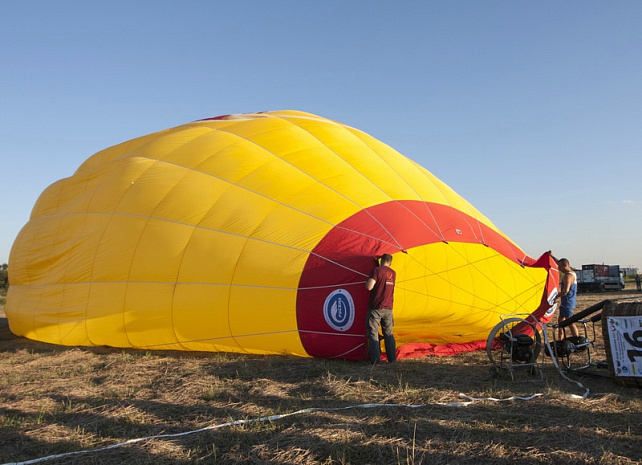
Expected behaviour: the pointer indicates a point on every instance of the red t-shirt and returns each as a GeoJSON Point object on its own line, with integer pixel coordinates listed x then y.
{"type": "Point", "coordinates": [382, 294]}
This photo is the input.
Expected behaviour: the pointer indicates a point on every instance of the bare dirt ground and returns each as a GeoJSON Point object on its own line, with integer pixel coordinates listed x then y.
{"type": "Point", "coordinates": [58, 400]}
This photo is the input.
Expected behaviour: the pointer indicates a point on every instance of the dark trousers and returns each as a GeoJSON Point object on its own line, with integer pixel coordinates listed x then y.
{"type": "Point", "coordinates": [380, 317]}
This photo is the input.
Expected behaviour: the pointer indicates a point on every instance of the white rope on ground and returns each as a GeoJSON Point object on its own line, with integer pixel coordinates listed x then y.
{"type": "Point", "coordinates": [469, 400]}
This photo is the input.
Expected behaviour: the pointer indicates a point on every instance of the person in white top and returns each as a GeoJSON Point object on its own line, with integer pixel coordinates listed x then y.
{"type": "Point", "coordinates": [568, 296]}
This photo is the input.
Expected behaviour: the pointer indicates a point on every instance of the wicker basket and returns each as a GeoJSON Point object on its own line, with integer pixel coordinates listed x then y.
{"type": "Point", "coordinates": [622, 309]}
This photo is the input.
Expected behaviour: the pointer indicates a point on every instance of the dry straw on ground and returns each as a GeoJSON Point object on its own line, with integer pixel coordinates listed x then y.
{"type": "Point", "coordinates": [56, 400]}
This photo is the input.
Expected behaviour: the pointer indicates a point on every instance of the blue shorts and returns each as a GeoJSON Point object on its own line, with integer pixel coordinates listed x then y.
{"type": "Point", "coordinates": [566, 312]}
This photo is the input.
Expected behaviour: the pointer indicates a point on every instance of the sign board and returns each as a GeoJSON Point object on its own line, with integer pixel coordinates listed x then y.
{"type": "Point", "coordinates": [625, 335]}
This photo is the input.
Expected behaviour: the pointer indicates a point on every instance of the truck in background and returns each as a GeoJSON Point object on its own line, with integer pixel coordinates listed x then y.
{"type": "Point", "coordinates": [599, 278]}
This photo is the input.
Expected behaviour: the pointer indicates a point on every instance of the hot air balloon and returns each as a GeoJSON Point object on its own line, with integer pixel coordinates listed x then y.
{"type": "Point", "coordinates": [255, 233]}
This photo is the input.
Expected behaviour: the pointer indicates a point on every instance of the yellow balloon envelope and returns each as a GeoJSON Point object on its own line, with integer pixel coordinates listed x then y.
{"type": "Point", "coordinates": [255, 233]}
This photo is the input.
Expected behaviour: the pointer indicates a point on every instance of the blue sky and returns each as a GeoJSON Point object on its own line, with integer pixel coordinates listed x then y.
{"type": "Point", "coordinates": [532, 111]}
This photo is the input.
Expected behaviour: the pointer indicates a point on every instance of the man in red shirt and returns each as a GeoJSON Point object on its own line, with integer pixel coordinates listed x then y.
{"type": "Point", "coordinates": [381, 285]}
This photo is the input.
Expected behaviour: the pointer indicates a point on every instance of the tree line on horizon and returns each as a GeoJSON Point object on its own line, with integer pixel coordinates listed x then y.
{"type": "Point", "coordinates": [4, 278]}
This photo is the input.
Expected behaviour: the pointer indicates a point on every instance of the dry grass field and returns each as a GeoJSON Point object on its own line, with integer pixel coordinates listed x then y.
{"type": "Point", "coordinates": [57, 400]}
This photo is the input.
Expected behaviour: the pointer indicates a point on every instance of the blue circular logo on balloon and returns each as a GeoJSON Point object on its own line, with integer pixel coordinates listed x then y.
{"type": "Point", "coordinates": [338, 310]}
